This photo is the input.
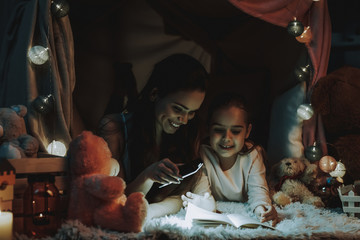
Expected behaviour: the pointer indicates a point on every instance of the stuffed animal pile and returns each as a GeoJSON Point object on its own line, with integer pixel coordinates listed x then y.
{"type": "Point", "coordinates": [289, 179]}
{"type": "Point", "coordinates": [14, 141]}
{"type": "Point", "coordinates": [336, 98]}
{"type": "Point", "coordinates": [96, 198]}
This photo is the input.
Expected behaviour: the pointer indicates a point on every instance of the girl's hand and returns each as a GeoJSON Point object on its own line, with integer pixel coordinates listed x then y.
{"type": "Point", "coordinates": [164, 171]}
{"type": "Point", "coordinates": [267, 213]}
{"type": "Point", "coordinates": [206, 202]}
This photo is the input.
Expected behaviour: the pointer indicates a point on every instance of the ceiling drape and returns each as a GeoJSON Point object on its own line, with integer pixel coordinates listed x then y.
{"type": "Point", "coordinates": [311, 13]}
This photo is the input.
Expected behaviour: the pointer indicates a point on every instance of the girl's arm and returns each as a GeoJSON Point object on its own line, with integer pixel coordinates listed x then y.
{"type": "Point", "coordinates": [258, 192]}
{"type": "Point", "coordinates": [201, 194]}
{"type": "Point", "coordinates": [169, 205]}
{"type": "Point", "coordinates": [267, 213]}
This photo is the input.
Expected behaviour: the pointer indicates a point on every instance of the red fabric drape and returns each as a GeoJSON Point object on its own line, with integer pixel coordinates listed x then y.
{"type": "Point", "coordinates": [311, 13]}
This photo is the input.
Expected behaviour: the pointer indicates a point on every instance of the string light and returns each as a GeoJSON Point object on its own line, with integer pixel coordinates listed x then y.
{"type": "Point", "coordinates": [305, 111]}
{"type": "Point", "coordinates": [44, 104]}
{"type": "Point", "coordinates": [302, 73]}
{"type": "Point", "coordinates": [295, 28]}
{"type": "Point", "coordinates": [38, 55]}
{"type": "Point", "coordinates": [56, 148]}
{"type": "Point", "coordinates": [59, 8]}
{"type": "Point", "coordinates": [306, 36]}
{"type": "Point", "coordinates": [313, 153]}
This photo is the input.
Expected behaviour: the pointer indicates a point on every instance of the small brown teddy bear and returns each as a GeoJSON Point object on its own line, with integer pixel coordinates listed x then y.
{"type": "Point", "coordinates": [336, 98]}
{"type": "Point", "coordinates": [14, 140]}
{"type": "Point", "coordinates": [96, 198]}
{"type": "Point", "coordinates": [288, 179]}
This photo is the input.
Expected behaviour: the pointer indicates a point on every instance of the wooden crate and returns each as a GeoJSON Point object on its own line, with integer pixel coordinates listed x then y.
{"type": "Point", "coordinates": [26, 166]}
{"type": "Point", "coordinates": [7, 182]}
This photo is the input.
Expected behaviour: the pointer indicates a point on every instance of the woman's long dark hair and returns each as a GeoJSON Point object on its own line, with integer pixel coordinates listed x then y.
{"type": "Point", "coordinates": [178, 72]}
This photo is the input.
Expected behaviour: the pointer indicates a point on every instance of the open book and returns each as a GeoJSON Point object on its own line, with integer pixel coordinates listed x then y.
{"type": "Point", "coordinates": [205, 218]}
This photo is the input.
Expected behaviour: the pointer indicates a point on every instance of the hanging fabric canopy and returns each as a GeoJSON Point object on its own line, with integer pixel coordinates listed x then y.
{"type": "Point", "coordinates": [26, 24]}
{"type": "Point", "coordinates": [311, 13]}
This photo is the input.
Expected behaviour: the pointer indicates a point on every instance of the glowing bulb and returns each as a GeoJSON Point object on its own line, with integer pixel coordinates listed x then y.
{"type": "Point", "coordinates": [339, 171]}
{"type": "Point", "coordinates": [38, 55]}
{"type": "Point", "coordinates": [56, 148]}
{"type": "Point", "coordinates": [115, 167]}
{"type": "Point", "coordinates": [305, 111]}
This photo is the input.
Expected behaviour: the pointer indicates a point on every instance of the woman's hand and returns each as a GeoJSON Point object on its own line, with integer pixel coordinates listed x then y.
{"type": "Point", "coordinates": [164, 171]}
{"type": "Point", "coordinates": [206, 202]}
{"type": "Point", "coordinates": [267, 213]}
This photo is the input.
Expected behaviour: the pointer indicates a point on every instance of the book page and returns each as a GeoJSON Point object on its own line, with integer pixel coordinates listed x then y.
{"type": "Point", "coordinates": [198, 215]}
{"type": "Point", "coordinates": [245, 221]}
{"type": "Point", "coordinates": [206, 218]}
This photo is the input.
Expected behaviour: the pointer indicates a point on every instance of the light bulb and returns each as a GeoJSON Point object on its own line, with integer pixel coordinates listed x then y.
{"type": "Point", "coordinates": [305, 111]}
{"type": "Point", "coordinates": [115, 167]}
{"type": "Point", "coordinates": [56, 148]}
{"type": "Point", "coordinates": [295, 28]}
{"type": "Point", "coordinates": [38, 55]}
{"type": "Point", "coordinates": [306, 36]}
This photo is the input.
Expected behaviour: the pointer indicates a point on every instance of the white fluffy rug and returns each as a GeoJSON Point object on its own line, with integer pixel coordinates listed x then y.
{"type": "Point", "coordinates": [299, 221]}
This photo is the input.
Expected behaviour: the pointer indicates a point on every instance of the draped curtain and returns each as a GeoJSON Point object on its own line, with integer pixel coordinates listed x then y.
{"type": "Point", "coordinates": [25, 24]}
{"type": "Point", "coordinates": [311, 13]}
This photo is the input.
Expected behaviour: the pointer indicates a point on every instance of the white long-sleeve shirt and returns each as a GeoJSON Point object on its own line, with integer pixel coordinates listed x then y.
{"type": "Point", "coordinates": [245, 181]}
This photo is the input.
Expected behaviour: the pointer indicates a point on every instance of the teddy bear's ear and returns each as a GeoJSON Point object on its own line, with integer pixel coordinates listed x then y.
{"type": "Point", "coordinates": [21, 110]}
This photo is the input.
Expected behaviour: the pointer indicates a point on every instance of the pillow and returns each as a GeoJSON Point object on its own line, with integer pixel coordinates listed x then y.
{"type": "Point", "coordinates": [285, 134]}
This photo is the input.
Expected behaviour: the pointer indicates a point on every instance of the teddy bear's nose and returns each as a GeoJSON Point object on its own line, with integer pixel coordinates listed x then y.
{"type": "Point", "coordinates": [288, 164]}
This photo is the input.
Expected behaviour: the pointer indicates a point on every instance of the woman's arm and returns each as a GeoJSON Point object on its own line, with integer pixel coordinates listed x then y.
{"type": "Point", "coordinates": [164, 171]}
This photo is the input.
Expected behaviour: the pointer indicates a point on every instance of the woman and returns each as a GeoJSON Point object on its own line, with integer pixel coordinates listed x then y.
{"type": "Point", "coordinates": [159, 133]}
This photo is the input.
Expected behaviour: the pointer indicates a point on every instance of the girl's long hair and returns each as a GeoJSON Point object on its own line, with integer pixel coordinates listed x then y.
{"type": "Point", "coordinates": [178, 72]}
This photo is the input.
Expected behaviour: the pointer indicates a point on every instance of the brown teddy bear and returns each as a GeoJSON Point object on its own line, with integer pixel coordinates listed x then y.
{"type": "Point", "coordinates": [96, 198]}
{"type": "Point", "coordinates": [336, 98]}
{"type": "Point", "coordinates": [288, 180]}
{"type": "Point", "coordinates": [14, 140]}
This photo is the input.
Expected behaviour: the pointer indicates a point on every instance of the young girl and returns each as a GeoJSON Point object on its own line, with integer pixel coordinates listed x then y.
{"type": "Point", "coordinates": [234, 165]}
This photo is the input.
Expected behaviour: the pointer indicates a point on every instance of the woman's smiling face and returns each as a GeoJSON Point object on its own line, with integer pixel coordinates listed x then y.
{"type": "Point", "coordinates": [177, 109]}
{"type": "Point", "coordinates": [228, 131]}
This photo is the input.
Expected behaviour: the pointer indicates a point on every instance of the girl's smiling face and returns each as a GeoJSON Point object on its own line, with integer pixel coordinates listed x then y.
{"type": "Point", "coordinates": [228, 131]}
{"type": "Point", "coordinates": [177, 109]}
